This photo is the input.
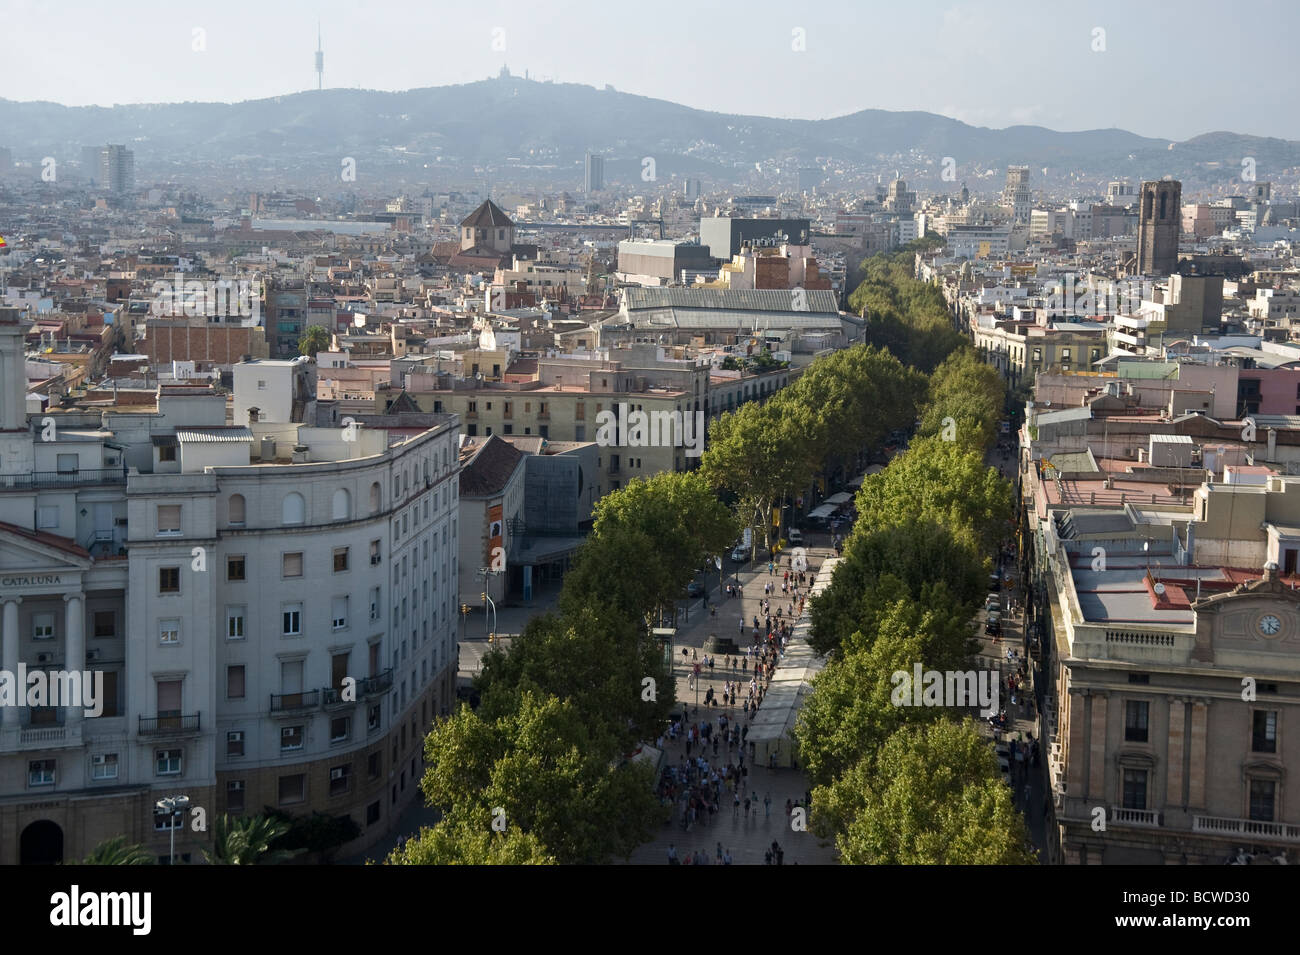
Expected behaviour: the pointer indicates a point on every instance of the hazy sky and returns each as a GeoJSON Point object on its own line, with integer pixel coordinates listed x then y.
{"type": "Point", "coordinates": [1168, 69]}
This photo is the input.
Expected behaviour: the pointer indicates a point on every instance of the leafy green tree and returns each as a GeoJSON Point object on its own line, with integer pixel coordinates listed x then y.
{"type": "Point", "coordinates": [663, 527]}
{"type": "Point", "coordinates": [920, 560]}
{"type": "Point", "coordinates": [466, 837]}
{"type": "Point", "coordinates": [117, 851]}
{"type": "Point", "coordinates": [593, 657]}
{"type": "Point", "coordinates": [315, 338]}
{"type": "Point", "coordinates": [967, 397]}
{"type": "Point", "coordinates": [850, 712]}
{"type": "Point", "coordinates": [554, 776]}
{"type": "Point", "coordinates": [760, 455]}
{"type": "Point", "coordinates": [247, 841]}
{"type": "Point", "coordinates": [941, 481]}
{"type": "Point", "coordinates": [931, 796]}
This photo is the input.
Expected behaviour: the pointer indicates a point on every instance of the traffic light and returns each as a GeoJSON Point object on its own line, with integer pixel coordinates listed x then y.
{"type": "Point", "coordinates": [483, 597]}
{"type": "Point", "coordinates": [492, 638]}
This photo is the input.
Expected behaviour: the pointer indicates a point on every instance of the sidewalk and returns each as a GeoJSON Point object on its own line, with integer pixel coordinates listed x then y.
{"type": "Point", "coordinates": [745, 837]}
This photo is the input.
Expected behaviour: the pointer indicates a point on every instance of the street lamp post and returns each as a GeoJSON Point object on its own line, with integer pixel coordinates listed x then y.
{"type": "Point", "coordinates": [174, 807]}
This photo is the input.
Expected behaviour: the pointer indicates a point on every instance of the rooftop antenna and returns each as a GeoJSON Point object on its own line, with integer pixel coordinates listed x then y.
{"type": "Point", "coordinates": [320, 60]}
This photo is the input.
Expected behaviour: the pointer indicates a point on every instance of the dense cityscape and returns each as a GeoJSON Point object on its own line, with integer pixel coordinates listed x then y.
{"type": "Point", "coordinates": [623, 482]}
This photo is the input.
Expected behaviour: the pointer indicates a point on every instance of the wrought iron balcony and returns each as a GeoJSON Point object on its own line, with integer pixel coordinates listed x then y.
{"type": "Point", "coordinates": [37, 479]}
{"type": "Point", "coordinates": [282, 702]}
{"type": "Point", "coordinates": [172, 723]}
{"type": "Point", "coordinates": [333, 696]}
{"type": "Point", "coordinates": [374, 685]}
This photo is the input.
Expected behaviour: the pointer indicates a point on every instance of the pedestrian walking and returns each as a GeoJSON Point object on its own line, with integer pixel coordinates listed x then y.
{"type": "Point", "coordinates": [672, 854]}
{"type": "Point", "coordinates": [767, 805]}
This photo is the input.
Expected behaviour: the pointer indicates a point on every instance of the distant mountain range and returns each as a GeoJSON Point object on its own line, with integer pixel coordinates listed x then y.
{"type": "Point", "coordinates": [492, 121]}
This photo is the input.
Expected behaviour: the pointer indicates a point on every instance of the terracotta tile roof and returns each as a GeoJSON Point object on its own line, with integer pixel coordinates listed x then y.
{"type": "Point", "coordinates": [64, 544]}
{"type": "Point", "coordinates": [489, 470]}
{"type": "Point", "coordinates": [487, 216]}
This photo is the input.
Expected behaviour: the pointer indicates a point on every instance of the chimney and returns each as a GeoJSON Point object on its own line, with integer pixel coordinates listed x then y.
{"type": "Point", "coordinates": [1270, 572]}
{"type": "Point", "coordinates": [252, 415]}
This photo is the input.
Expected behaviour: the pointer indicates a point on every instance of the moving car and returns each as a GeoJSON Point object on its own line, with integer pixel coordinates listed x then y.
{"type": "Point", "coordinates": [795, 537]}
{"type": "Point", "coordinates": [695, 589]}
{"type": "Point", "coordinates": [993, 625]}
{"type": "Point", "coordinates": [740, 554]}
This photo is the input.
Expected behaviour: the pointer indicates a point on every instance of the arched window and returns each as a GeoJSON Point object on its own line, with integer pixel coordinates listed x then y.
{"type": "Point", "coordinates": [294, 509]}
{"type": "Point", "coordinates": [376, 495]}
{"type": "Point", "coordinates": [236, 509]}
{"type": "Point", "coordinates": [342, 505]}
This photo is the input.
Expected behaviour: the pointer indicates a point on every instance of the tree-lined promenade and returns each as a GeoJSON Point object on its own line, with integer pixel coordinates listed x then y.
{"type": "Point", "coordinates": [540, 772]}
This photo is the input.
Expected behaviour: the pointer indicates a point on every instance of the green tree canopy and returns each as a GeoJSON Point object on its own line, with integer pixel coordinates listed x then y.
{"type": "Point", "coordinates": [552, 774]}
{"type": "Point", "coordinates": [931, 796]}
{"type": "Point", "coordinates": [466, 837]}
{"type": "Point", "coordinates": [315, 338]}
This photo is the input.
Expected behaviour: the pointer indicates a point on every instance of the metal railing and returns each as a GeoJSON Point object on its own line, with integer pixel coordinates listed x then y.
{"type": "Point", "coordinates": [294, 701]}
{"type": "Point", "coordinates": [373, 685]}
{"type": "Point", "coordinates": [62, 478]}
{"type": "Point", "coordinates": [178, 723]}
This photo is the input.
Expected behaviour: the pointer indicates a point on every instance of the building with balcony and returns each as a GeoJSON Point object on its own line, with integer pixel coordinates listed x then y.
{"type": "Point", "coordinates": [270, 608]}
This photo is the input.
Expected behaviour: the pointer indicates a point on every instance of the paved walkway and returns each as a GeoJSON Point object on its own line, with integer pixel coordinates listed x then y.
{"type": "Point", "coordinates": [745, 837]}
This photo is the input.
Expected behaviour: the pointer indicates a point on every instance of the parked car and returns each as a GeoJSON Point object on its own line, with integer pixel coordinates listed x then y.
{"type": "Point", "coordinates": [993, 625]}
{"type": "Point", "coordinates": [695, 589]}
{"type": "Point", "coordinates": [740, 554]}
{"type": "Point", "coordinates": [993, 602]}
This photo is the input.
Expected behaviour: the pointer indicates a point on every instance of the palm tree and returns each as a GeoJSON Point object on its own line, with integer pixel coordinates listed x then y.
{"type": "Point", "coordinates": [314, 339]}
{"type": "Point", "coordinates": [116, 851]}
{"type": "Point", "coordinates": [246, 841]}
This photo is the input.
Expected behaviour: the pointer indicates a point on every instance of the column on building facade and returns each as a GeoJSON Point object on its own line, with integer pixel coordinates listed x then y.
{"type": "Point", "coordinates": [10, 715]}
{"type": "Point", "coordinates": [75, 655]}
{"type": "Point", "coordinates": [1075, 755]}
{"type": "Point", "coordinates": [1196, 772]}
{"type": "Point", "coordinates": [1097, 748]}
{"type": "Point", "coordinates": [1175, 757]}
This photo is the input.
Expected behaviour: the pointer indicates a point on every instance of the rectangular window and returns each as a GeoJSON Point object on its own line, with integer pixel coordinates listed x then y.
{"type": "Point", "coordinates": [42, 626]}
{"type": "Point", "coordinates": [291, 738]}
{"type": "Point", "coordinates": [234, 744]}
{"type": "Point", "coordinates": [169, 520]}
{"type": "Point", "coordinates": [340, 729]}
{"type": "Point", "coordinates": [169, 697]}
{"type": "Point", "coordinates": [372, 813]}
{"type": "Point", "coordinates": [67, 463]}
{"type": "Point", "coordinates": [235, 623]}
{"type": "Point", "coordinates": [339, 612]}
{"type": "Point", "coordinates": [1263, 736]}
{"type": "Point", "coordinates": [169, 631]}
{"type": "Point", "coordinates": [169, 580]}
{"type": "Point", "coordinates": [235, 567]}
{"type": "Point", "coordinates": [105, 626]}
{"type": "Point", "coordinates": [235, 796]}
{"type": "Point", "coordinates": [40, 772]}
{"type": "Point", "coordinates": [47, 517]}
{"type": "Point", "coordinates": [1262, 798]}
{"type": "Point", "coordinates": [103, 766]}
{"type": "Point", "coordinates": [374, 764]}
{"type": "Point", "coordinates": [1135, 789]}
{"type": "Point", "coordinates": [291, 620]}
{"type": "Point", "coordinates": [235, 682]}
{"type": "Point", "coordinates": [340, 559]}
{"type": "Point", "coordinates": [293, 788]}
{"type": "Point", "coordinates": [340, 779]}
{"type": "Point", "coordinates": [1135, 721]}
{"type": "Point", "coordinates": [291, 565]}
{"type": "Point", "coordinates": [167, 761]}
